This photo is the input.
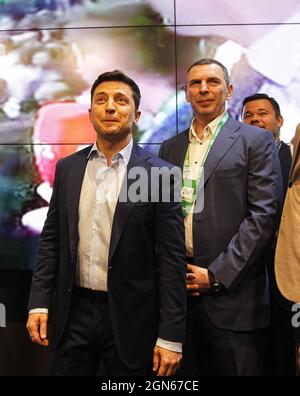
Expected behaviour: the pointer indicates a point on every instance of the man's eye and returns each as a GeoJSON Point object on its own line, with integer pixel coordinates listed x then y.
{"type": "Point", "coordinates": [100, 99]}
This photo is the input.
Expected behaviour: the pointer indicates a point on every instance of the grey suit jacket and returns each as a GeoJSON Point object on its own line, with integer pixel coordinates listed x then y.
{"type": "Point", "coordinates": [242, 199]}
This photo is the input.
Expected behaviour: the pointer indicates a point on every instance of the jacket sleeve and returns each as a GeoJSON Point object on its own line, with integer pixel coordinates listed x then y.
{"type": "Point", "coordinates": [48, 253]}
{"type": "Point", "coordinates": [171, 265]}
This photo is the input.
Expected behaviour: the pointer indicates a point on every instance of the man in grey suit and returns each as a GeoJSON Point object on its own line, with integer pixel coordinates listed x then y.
{"type": "Point", "coordinates": [236, 168]}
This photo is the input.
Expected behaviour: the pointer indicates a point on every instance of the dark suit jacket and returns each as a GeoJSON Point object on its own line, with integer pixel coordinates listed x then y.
{"type": "Point", "coordinates": [242, 193]}
{"type": "Point", "coordinates": [146, 269]}
{"type": "Point", "coordinates": [285, 157]}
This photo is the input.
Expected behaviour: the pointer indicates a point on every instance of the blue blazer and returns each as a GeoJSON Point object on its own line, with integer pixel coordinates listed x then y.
{"type": "Point", "coordinates": [242, 199]}
{"type": "Point", "coordinates": [146, 268]}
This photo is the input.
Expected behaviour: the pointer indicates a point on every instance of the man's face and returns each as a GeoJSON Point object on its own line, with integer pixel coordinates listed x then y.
{"type": "Point", "coordinates": [260, 113]}
{"type": "Point", "coordinates": [207, 92]}
{"type": "Point", "coordinates": [113, 110]}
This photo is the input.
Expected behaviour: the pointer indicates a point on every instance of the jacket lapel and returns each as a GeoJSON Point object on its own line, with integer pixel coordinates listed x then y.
{"type": "Point", "coordinates": [183, 148]}
{"type": "Point", "coordinates": [123, 209]}
{"type": "Point", "coordinates": [223, 143]}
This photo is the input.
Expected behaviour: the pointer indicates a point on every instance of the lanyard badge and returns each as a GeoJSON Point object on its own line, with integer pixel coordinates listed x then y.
{"type": "Point", "coordinates": [189, 188]}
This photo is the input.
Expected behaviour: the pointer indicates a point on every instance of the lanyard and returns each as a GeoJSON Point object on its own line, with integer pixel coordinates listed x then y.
{"type": "Point", "coordinates": [190, 185]}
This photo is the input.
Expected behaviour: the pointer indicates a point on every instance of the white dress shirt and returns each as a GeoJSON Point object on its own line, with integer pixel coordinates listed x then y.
{"type": "Point", "coordinates": [99, 196]}
{"type": "Point", "coordinates": [197, 153]}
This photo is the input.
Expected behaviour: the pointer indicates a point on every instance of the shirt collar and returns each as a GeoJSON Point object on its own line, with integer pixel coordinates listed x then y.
{"type": "Point", "coordinates": [125, 153]}
{"type": "Point", "coordinates": [278, 144]}
{"type": "Point", "coordinates": [210, 128]}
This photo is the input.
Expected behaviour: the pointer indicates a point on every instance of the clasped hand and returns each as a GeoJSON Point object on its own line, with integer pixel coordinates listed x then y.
{"type": "Point", "coordinates": [196, 280]}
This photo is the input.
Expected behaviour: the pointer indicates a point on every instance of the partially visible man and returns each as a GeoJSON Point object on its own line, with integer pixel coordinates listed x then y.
{"type": "Point", "coordinates": [226, 242]}
{"type": "Point", "coordinates": [262, 111]}
{"type": "Point", "coordinates": [287, 259]}
{"type": "Point", "coordinates": [110, 271]}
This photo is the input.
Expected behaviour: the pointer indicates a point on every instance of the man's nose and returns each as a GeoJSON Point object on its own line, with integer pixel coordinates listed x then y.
{"type": "Point", "coordinates": [254, 121]}
{"type": "Point", "coordinates": [110, 106]}
{"type": "Point", "coordinates": [203, 87]}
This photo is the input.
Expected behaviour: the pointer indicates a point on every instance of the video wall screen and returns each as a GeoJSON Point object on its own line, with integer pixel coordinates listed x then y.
{"type": "Point", "coordinates": [51, 51]}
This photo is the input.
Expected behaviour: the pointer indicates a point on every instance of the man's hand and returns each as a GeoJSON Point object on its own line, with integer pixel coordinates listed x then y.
{"type": "Point", "coordinates": [196, 279]}
{"type": "Point", "coordinates": [37, 324]}
{"type": "Point", "coordinates": [165, 362]}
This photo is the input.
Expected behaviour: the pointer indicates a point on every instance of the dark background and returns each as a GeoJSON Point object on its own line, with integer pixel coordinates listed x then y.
{"type": "Point", "coordinates": [18, 356]}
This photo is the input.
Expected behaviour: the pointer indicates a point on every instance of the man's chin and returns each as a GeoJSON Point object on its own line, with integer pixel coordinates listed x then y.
{"type": "Point", "coordinates": [206, 109]}
{"type": "Point", "coordinates": [113, 135]}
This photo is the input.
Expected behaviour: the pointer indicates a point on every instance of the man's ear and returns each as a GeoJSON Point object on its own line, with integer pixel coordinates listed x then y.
{"type": "Point", "coordinates": [280, 121]}
{"type": "Point", "coordinates": [229, 92]}
{"type": "Point", "coordinates": [137, 116]}
{"type": "Point", "coordinates": [187, 96]}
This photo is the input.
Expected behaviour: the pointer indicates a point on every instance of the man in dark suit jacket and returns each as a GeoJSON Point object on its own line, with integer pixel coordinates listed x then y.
{"type": "Point", "coordinates": [263, 111]}
{"type": "Point", "coordinates": [111, 266]}
{"type": "Point", "coordinates": [227, 240]}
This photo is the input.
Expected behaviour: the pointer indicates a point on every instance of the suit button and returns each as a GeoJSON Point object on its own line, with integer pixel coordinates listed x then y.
{"type": "Point", "coordinates": [69, 290]}
{"type": "Point", "coordinates": [110, 267]}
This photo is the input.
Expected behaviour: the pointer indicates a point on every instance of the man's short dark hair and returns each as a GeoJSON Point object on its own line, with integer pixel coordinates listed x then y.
{"type": "Point", "coordinates": [210, 61]}
{"type": "Point", "coordinates": [118, 75]}
{"type": "Point", "coordinates": [260, 96]}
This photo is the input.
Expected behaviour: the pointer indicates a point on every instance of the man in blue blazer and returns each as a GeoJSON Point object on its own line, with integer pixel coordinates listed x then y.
{"type": "Point", "coordinates": [236, 169]}
{"type": "Point", "coordinates": [111, 267]}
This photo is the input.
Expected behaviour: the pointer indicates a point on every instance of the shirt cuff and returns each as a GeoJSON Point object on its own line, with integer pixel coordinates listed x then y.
{"type": "Point", "coordinates": [38, 310]}
{"type": "Point", "coordinates": [169, 345]}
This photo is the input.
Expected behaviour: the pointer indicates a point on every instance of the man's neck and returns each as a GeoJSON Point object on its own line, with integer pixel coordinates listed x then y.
{"type": "Point", "coordinates": [277, 139]}
{"type": "Point", "coordinates": [110, 148]}
{"type": "Point", "coordinates": [201, 123]}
